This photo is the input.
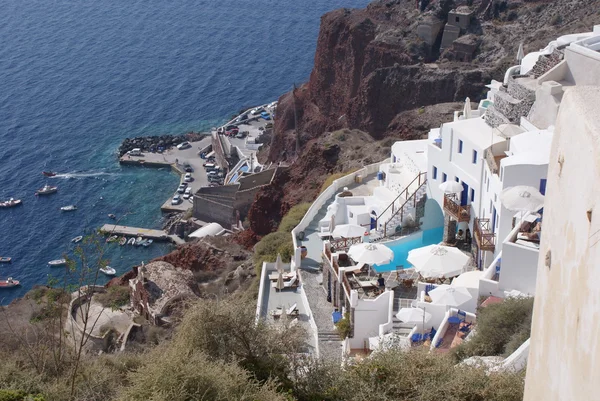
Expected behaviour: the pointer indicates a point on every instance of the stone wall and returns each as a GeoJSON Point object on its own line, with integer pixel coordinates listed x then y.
{"type": "Point", "coordinates": [546, 63]}
{"type": "Point", "coordinates": [451, 33]}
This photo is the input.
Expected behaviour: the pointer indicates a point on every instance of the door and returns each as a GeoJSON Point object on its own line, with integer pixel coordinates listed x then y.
{"type": "Point", "coordinates": [464, 195]}
{"type": "Point", "coordinates": [373, 222]}
{"type": "Point", "coordinates": [493, 219]}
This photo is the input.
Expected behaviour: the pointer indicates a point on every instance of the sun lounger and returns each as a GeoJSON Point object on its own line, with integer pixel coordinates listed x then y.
{"type": "Point", "coordinates": [292, 311]}
{"type": "Point", "coordinates": [356, 269]}
{"type": "Point", "coordinates": [291, 283]}
{"type": "Point", "coordinates": [286, 276]}
{"type": "Point", "coordinates": [276, 313]}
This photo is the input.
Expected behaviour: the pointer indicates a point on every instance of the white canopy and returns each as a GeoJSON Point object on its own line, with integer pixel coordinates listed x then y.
{"type": "Point", "coordinates": [373, 254]}
{"type": "Point", "coordinates": [451, 296]}
{"type": "Point", "coordinates": [467, 108]}
{"type": "Point", "coordinates": [522, 198]}
{"type": "Point", "coordinates": [348, 231]}
{"type": "Point", "coordinates": [468, 279]}
{"type": "Point", "coordinates": [435, 261]}
{"type": "Point", "coordinates": [413, 315]}
{"type": "Point", "coordinates": [451, 187]}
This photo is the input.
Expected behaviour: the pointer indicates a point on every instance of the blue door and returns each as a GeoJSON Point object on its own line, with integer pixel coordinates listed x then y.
{"type": "Point", "coordinates": [493, 219]}
{"type": "Point", "coordinates": [543, 186]}
{"type": "Point", "coordinates": [373, 222]}
{"type": "Point", "coordinates": [464, 196]}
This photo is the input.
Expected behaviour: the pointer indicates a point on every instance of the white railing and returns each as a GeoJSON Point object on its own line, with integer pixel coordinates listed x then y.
{"type": "Point", "coordinates": [325, 196]}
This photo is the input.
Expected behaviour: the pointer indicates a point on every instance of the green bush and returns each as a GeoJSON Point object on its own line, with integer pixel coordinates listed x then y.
{"type": "Point", "coordinates": [115, 297]}
{"type": "Point", "coordinates": [270, 245]}
{"type": "Point", "coordinates": [293, 217]}
{"type": "Point", "coordinates": [501, 329]}
{"type": "Point", "coordinates": [330, 179]}
{"type": "Point", "coordinates": [343, 326]}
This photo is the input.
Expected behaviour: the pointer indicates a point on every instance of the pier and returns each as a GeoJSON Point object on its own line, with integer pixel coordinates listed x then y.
{"type": "Point", "coordinates": [146, 233]}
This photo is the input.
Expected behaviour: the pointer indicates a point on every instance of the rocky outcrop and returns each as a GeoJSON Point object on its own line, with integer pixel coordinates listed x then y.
{"type": "Point", "coordinates": [152, 143]}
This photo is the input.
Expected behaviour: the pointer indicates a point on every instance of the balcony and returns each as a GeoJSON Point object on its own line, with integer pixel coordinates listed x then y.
{"type": "Point", "coordinates": [486, 239]}
{"type": "Point", "coordinates": [453, 207]}
{"type": "Point", "coordinates": [493, 161]}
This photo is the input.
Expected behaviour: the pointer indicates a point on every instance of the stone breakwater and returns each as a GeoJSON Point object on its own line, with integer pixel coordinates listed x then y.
{"type": "Point", "coordinates": [152, 143]}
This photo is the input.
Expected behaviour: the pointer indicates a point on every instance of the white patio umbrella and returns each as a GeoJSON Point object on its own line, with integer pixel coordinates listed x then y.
{"type": "Point", "coordinates": [279, 266]}
{"type": "Point", "coordinates": [451, 296]}
{"type": "Point", "coordinates": [372, 254]}
{"type": "Point", "coordinates": [413, 315]}
{"type": "Point", "coordinates": [279, 263]}
{"type": "Point", "coordinates": [468, 279]}
{"type": "Point", "coordinates": [331, 226]}
{"type": "Point", "coordinates": [348, 231]}
{"type": "Point", "coordinates": [451, 187]}
{"type": "Point", "coordinates": [520, 53]}
{"type": "Point", "coordinates": [522, 199]}
{"type": "Point", "coordinates": [435, 261]}
{"type": "Point", "coordinates": [467, 109]}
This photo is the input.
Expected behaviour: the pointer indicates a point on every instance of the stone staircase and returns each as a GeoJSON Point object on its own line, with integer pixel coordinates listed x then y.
{"type": "Point", "coordinates": [329, 336]}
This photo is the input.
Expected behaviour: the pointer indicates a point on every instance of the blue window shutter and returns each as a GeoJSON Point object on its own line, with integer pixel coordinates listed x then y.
{"type": "Point", "coordinates": [460, 145]}
{"type": "Point", "coordinates": [543, 186]}
{"type": "Point", "coordinates": [444, 177]}
{"type": "Point", "coordinates": [434, 172]}
{"type": "Point", "coordinates": [474, 156]}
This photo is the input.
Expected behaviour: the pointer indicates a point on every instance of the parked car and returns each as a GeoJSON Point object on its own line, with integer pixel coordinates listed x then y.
{"type": "Point", "coordinates": [230, 127]}
{"type": "Point", "coordinates": [189, 169]}
{"type": "Point", "coordinates": [176, 200]}
{"type": "Point", "coordinates": [184, 145]}
{"type": "Point", "coordinates": [188, 177]}
{"type": "Point", "coordinates": [240, 135]}
{"type": "Point", "coordinates": [135, 152]}
{"type": "Point", "coordinates": [257, 110]}
{"type": "Point", "coordinates": [269, 125]}
{"type": "Point", "coordinates": [187, 193]}
{"type": "Point", "coordinates": [212, 172]}
{"type": "Point", "coordinates": [208, 164]}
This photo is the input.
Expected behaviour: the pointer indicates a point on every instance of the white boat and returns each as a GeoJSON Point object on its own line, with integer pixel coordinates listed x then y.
{"type": "Point", "coordinates": [109, 271]}
{"type": "Point", "coordinates": [46, 190]}
{"type": "Point", "coordinates": [147, 243]}
{"type": "Point", "coordinates": [112, 238]}
{"type": "Point", "coordinates": [131, 241]}
{"type": "Point", "coordinates": [138, 241]}
{"type": "Point", "coordinates": [57, 262]}
{"type": "Point", "coordinates": [68, 208]}
{"type": "Point", "coordinates": [77, 239]}
{"type": "Point", "coordinates": [9, 283]}
{"type": "Point", "coordinates": [11, 203]}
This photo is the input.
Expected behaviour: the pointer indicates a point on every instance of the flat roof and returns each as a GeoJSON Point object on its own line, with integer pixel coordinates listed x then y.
{"type": "Point", "coordinates": [531, 147]}
{"type": "Point", "coordinates": [416, 150]}
{"type": "Point", "coordinates": [477, 132]}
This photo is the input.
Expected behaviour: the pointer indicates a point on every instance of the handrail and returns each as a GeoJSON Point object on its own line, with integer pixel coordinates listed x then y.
{"type": "Point", "coordinates": [418, 177]}
{"type": "Point", "coordinates": [486, 238]}
{"type": "Point", "coordinates": [458, 211]}
{"type": "Point", "coordinates": [413, 196]}
{"type": "Point", "coordinates": [344, 243]}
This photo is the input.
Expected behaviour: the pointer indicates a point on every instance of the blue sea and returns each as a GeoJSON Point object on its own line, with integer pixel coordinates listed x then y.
{"type": "Point", "coordinates": [77, 77]}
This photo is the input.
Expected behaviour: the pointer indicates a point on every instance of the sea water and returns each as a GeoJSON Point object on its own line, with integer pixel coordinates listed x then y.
{"type": "Point", "coordinates": [77, 77]}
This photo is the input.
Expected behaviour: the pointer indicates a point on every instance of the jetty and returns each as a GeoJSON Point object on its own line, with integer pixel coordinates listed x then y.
{"type": "Point", "coordinates": [146, 233]}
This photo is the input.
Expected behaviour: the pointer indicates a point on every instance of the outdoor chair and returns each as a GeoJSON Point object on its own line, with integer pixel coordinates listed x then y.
{"type": "Point", "coordinates": [439, 343]}
{"type": "Point", "coordinates": [292, 311]}
{"type": "Point", "coordinates": [417, 337]}
{"type": "Point", "coordinates": [462, 315]}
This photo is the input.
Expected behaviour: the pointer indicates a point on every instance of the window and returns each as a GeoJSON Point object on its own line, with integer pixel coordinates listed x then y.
{"type": "Point", "coordinates": [444, 177]}
{"type": "Point", "coordinates": [456, 179]}
{"type": "Point", "coordinates": [474, 156]}
{"type": "Point", "coordinates": [543, 186]}
{"type": "Point", "coordinates": [434, 172]}
{"type": "Point", "coordinates": [472, 195]}
{"type": "Point", "coordinates": [490, 206]}
{"type": "Point", "coordinates": [460, 145]}
{"type": "Point", "coordinates": [456, 19]}
{"type": "Point", "coordinates": [501, 172]}
{"type": "Point", "coordinates": [488, 186]}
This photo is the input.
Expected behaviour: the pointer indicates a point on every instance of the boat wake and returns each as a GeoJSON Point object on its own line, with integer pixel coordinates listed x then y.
{"type": "Point", "coordinates": [82, 175]}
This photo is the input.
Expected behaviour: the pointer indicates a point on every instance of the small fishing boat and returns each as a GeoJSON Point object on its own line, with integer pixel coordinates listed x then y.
{"type": "Point", "coordinates": [112, 238]}
{"type": "Point", "coordinates": [11, 203]}
{"type": "Point", "coordinates": [131, 241]}
{"type": "Point", "coordinates": [109, 271]}
{"type": "Point", "coordinates": [9, 282]}
{"type": "Point", "coordinates": [147, 243]}
{"type": "Point", "coordinates": [5, 259]}
{"type": "Point", "coordinates": [122, 241]}
{"type": "Point", "coordinates": [112, 216]}
{"type": "Point", "coordinates": [68, 208]}
{"type": "Point", "coordinates": [57, 262]}
{"type": "Point", "coordinates": [138, 241]}
{"type": "Point", "coordinates": [77, 239]}
{"type": "Point", "coordinates": [46, 190]}
{"type": "Point", "coordinates": [49, 173]}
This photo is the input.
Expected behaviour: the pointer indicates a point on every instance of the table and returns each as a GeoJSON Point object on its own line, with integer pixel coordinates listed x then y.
{"type": "Point", "coordinates": [453, 320]}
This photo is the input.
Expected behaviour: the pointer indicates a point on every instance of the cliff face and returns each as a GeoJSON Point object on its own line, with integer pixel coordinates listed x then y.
{"type": "Point", "coordinates": [370, 64]}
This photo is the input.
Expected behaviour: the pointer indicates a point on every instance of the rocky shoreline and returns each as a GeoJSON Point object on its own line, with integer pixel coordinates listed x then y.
{"type": "Point", "coordinates": [152, 143]}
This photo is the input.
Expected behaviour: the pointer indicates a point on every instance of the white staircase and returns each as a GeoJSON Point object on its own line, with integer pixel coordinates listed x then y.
{"type": "Point", "coordinates": [407, 208]}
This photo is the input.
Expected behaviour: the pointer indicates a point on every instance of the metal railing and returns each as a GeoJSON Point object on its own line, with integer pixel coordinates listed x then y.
{"type": "Point", "coordinates": [453, 207]}
{"type": "Point", "coordinates": [344, 243]}
{"type": "Point", "coordinates": [486, 239]}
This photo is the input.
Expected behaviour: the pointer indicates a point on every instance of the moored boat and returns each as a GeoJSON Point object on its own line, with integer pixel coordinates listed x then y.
{"type": "Point", "coordinates": [49, 173]}
{"type": "Point", "coordinates": [9, 282]}
{"type": "Point", "coordinates": [11, 203]}
{"type": "Point", "coordinates": [148, 242]}
{"type": "Point", "coordinates": [58, 262]}
{"type": "Point", "coordinates": [68, 208]}
{"type": "Point", "coordinates": [109, 271]}
{"type": "Point", "coordinates": [122, 241]}
{"type": "Point", "coordinates": [138, 241]}
{"type": "Point", "coordinates": [5, 259]}
{"type": "Point", "coordinates": [112, 238]}
{"type": "Point", "coordinates": [112, 216]}
{"type": "Point", "coordinates": [131, 241]}
{"type": "Point", "coordinates": [77, 239]}
{"type": "Point", "coordinates": [46, 190]}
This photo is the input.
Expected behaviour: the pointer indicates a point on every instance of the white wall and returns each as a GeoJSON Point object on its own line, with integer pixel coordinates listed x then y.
{"type": "Point", "coordinates": [368, 315]}
{"type": "Point", "coordinates": [519, 266]}
{"type": "Point", "coordinates": [564, 357]}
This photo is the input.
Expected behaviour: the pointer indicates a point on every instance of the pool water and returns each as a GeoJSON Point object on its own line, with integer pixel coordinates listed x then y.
{"type": "Point", "coordinates": [402, 246]}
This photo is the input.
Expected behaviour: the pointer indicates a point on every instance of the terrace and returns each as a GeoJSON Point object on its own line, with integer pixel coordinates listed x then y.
{"type": "Point", "coordinates": [455, 328]}
{"type": "Point", "coordinates": [486, 239]}
{"type": "Point", "coordinates": [453, 207]}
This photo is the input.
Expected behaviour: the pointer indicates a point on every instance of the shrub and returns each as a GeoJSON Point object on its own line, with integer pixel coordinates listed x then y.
{"type": "Point", "coordinates": [556, 20]}
{"type": "Point", "coordinates": [115, 297]}
{"type": "Point", "coordinates": [501, 329]}
{"type": "Point", "coordinates": [293, 217]}
{"type": "Point", "coordinates": [343, 326]}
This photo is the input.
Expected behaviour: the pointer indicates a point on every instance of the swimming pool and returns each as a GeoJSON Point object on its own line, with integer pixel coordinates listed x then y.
{"type": "Point", "coordinates": [402, 246]}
